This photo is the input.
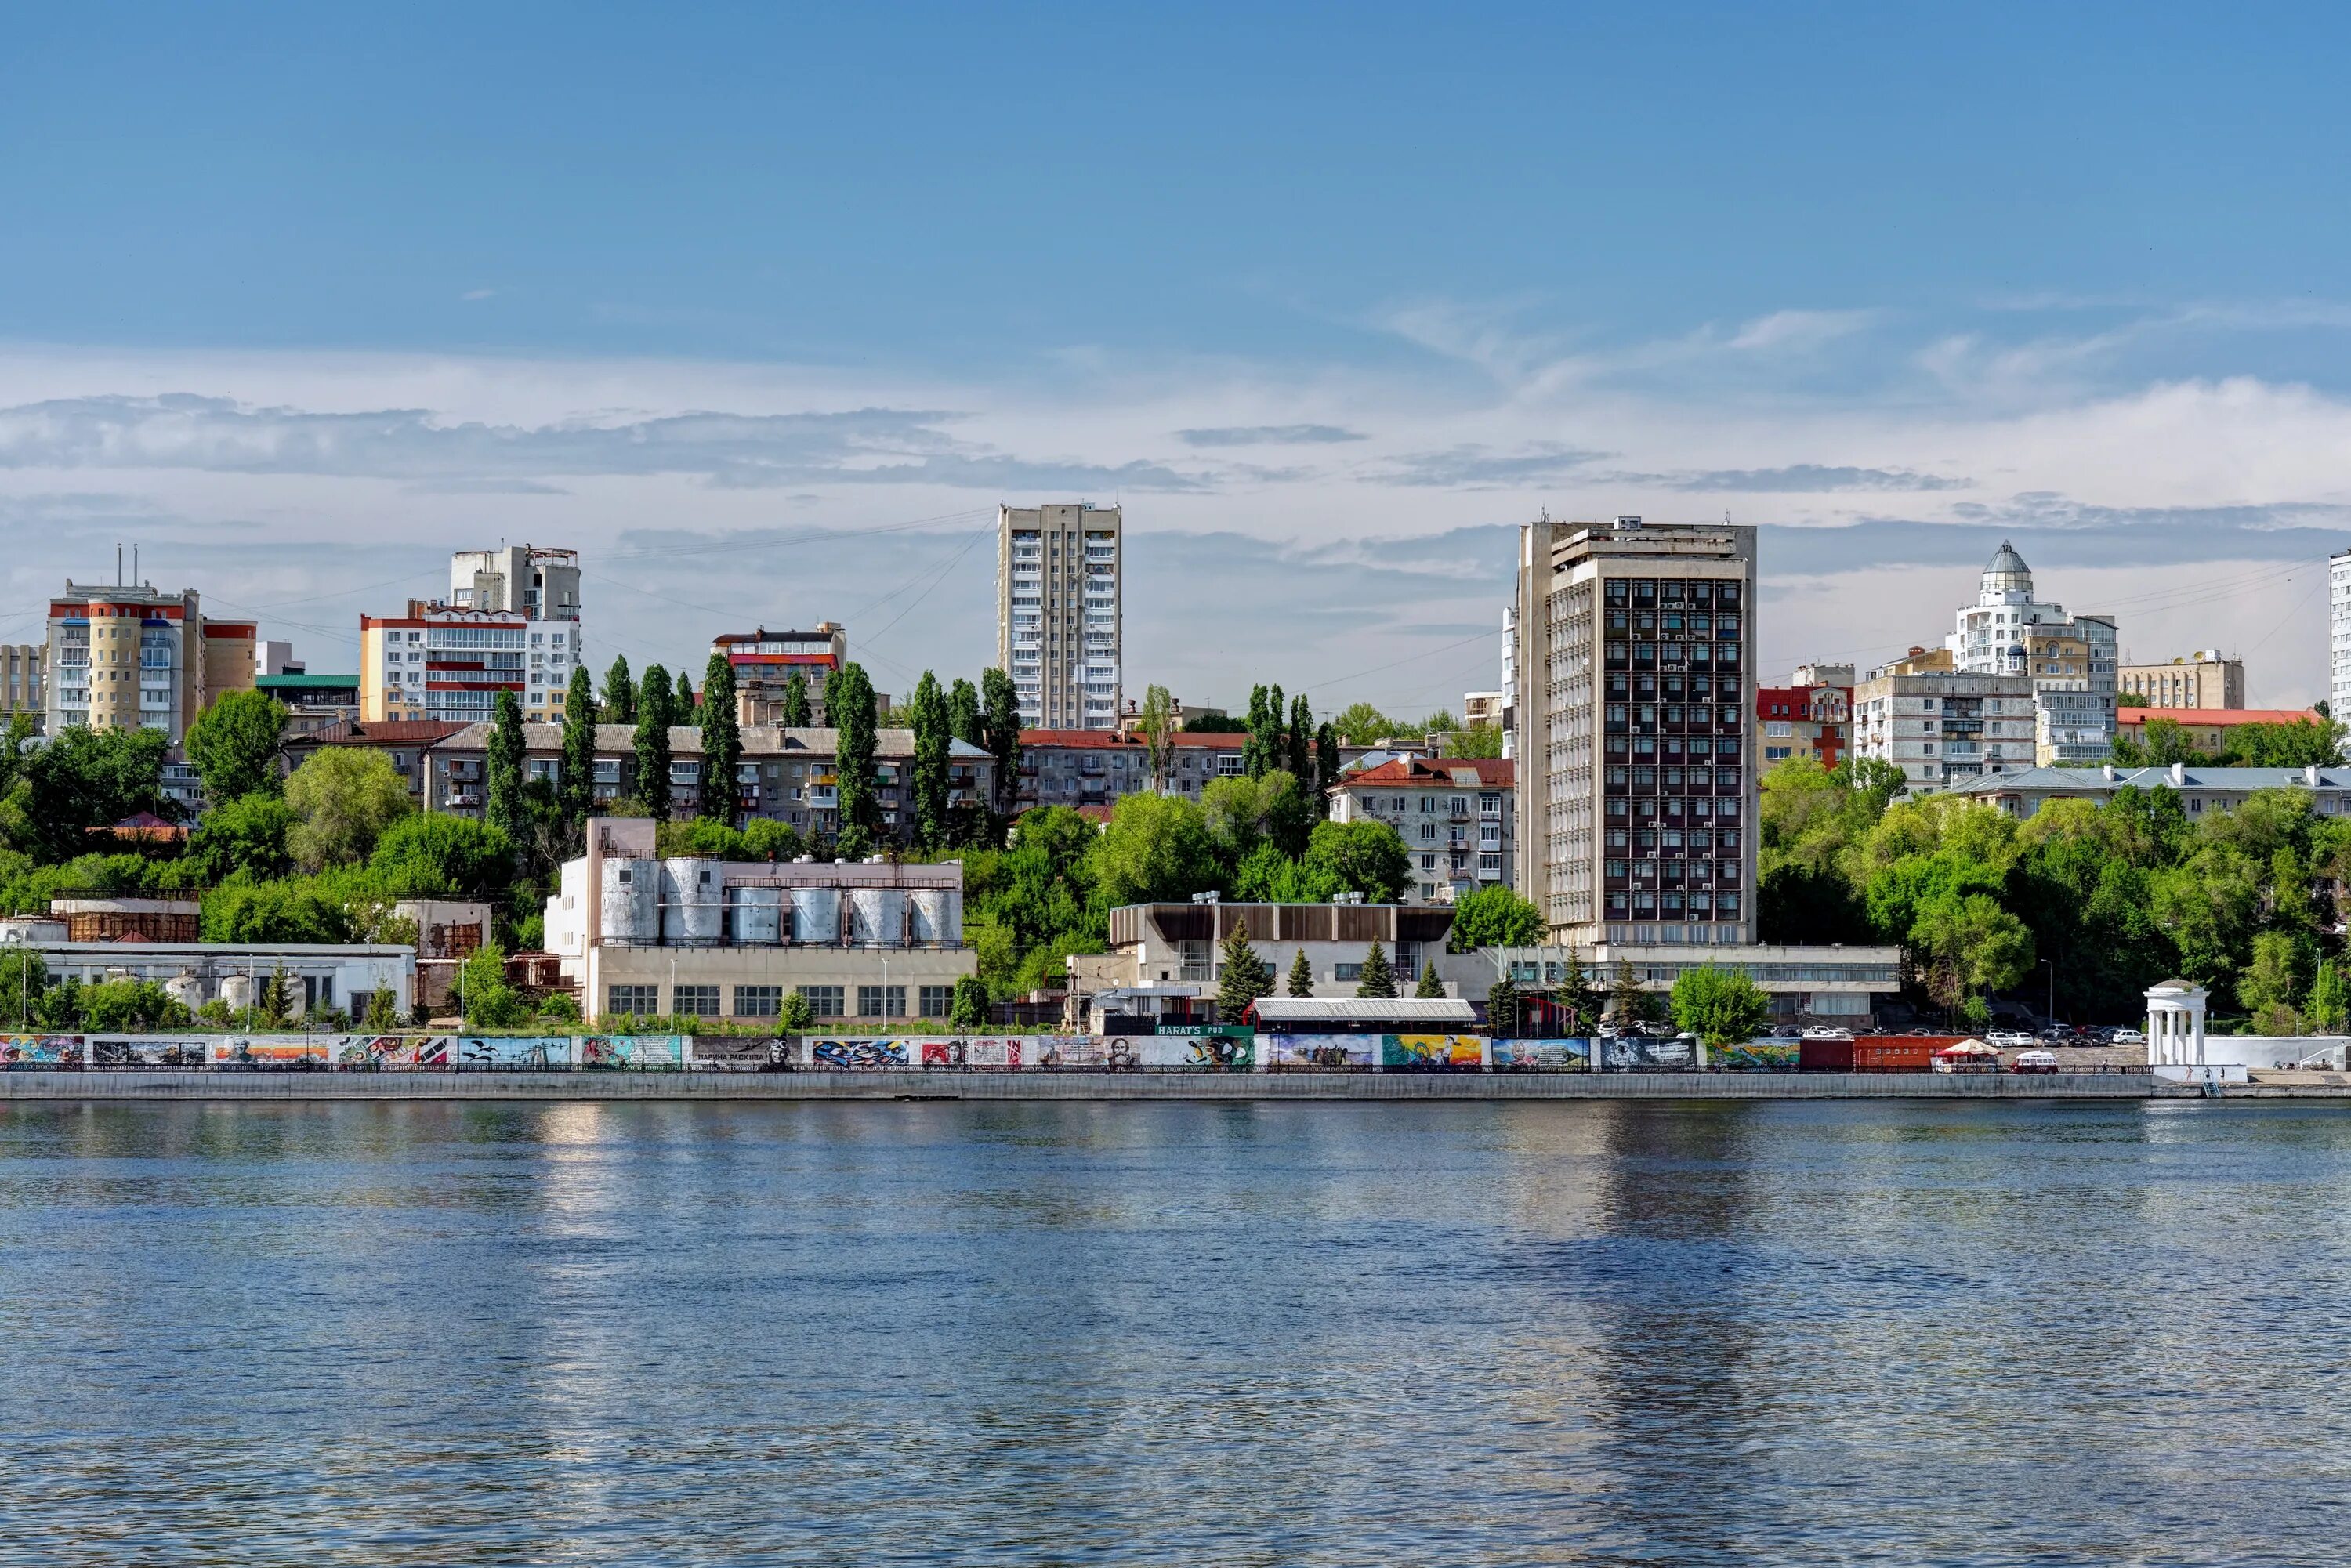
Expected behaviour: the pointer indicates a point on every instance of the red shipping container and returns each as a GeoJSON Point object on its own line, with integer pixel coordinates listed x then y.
{"type": "Point", "coordinates": [1872, 1053]}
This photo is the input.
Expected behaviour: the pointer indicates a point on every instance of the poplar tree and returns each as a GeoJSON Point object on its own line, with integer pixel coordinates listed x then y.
{"type": "Point", "coordinates": [927, 710]}
{"type": "Point", "coordinates": [964, 718]}
{"type": "Point", "coordinates": [651, 743]}
{"type": "Point", "coordinates": [620, 693]}
{"type": "Point", "coordinates": [1000, 716]}
{"type": "Point", "coordinates": [576, 788]}
{"type": "Point", "coordinates": [502, 768]}
{"type": "Point", "coordinates": [722, 742]}
{"type": "Point", "coordinates": [683, 711]}
{"type": "Point", "coordinates": [1301, 751]}
{"type": "Point", "coordinates": [1326, 766]}
{"type": "Point", "coordinates": [797, 714]}
{"type": "Point", "coordinates": [853, 728]}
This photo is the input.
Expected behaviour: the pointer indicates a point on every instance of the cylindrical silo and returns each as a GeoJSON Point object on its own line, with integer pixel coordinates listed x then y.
{"type": "Point", "coordinates": [877, 916]}
{"type": "Point", "coordinates": [238, 992]}
{"type": "Point", "coordinates": [758, 914]}
{"type": "Point", "coordinates": [186, 991]}
{"type": "Point", "coordinates": [690, 900]}
{"type": "Point", "coordinates": [937, 917]}
{"type": "Point", "coordinates": [630, 911]}
{"type": "Point", "coordinates": [815, 915]}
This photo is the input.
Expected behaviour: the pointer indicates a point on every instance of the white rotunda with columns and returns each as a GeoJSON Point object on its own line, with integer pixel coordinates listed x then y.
{"type": "Point", "coordinates": [2175, 1024]}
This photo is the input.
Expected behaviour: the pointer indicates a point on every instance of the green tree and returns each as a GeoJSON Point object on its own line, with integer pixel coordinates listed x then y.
{"type": "Point", "coordinates": [1494, 917]}
{"type": "Point", "coordinates": [1378, 978]}
{"type": "Point", "coordinates": [967, 1008]}
{"type": "Point", "coordinates": [435, 855]}
{"type": "Point", "coordinates": [1298, 755]}
{"type": "Point", "coordinates": [1242, 976]}
{"type": "Point", "coordinates": [1363, 857]}
{"type": "Point", "coordinates": [1577, 994]}
{"type": "Point", "coordinates": [236, 745]}
{"type": "Point", "coordinates": [1326, 768]}
{"type": "Point", "coordinates": [270, 913]}
{"type": "Point", "coordinates": [651, 744]}
{"type": "Point", "coordinates": [965, 720]}
{"type": "Point", "coordinates": [575, 787]}
{"type": "Point", "coordinates": [127, 1005]}
{"type": "Point", "coordinates": [1969, 945]}
{"type": "Point", "coordinates": [927, 710]}
{"type": "Point", "coordinates": [1265, 749]}
{"type": "Point", "coordinates": [342, 797]}
{"type": "Point", "coordinates": [798, 1014]}
{"type": "Point", "coordinates": [276, 998]}
{"type": "Point", "coordinates": [853, 727]}
{"type": "Point", "coordinates": [2329, 1006]}
{"type": "Point", "coordinates": [1243, 812]}
{"type": "Point", "coordinates": [17, 744]}
{"type": "Point", "coordinates": [1156, 722]}
{"type": "Point", "coordinates": [61, 1007]}
{"type": "Point", "coordinates": [620, 693]}
{"type": "Point", "coordinates": [382, 1008]}
{"type": "Point", "coordinates": [1430, 986]}
{"type": "Point", "coordinates": [1000, 708]}
{"type": "Point", "coordinates": [1479, 740]}
{"type": "Point", "coordinates": [81, 780]}
{"type": "Point", "coordinates": [247, 834]}
{"type": "Point", "coordinates": [1628, 1004]}
{"type": "Point", "coordinates": [684, 704]}
{"type": "Point", "coordinates": [24, 980]}
{"type": "Point", "coordinates": [1156, 848]}
{"type": "Point", "coordinates": [1502, 1017]}
{"type": "Point", "coordinates": [797, 711]}
{"type": "Point", "coordinates": [1361, 723]}
{"type": "Point", "coordinates": [488, 1000]}
{"type": "Point", "coordinates": [2283, 964]}
{"type": "Point", "coordinates": [722, 742]}
{"type": "Point", "coordinates": [502, 764]}
{"type": "Point", "coordinates": [1301, 976]}
{"type": "Point", "coordinates": [1266, 875]}
{"type": "Point", "coordinates": [1721, 1006]}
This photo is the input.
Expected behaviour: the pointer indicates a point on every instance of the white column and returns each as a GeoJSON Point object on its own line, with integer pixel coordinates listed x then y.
{"type": "Point", "coordinates": [2196, 1020]}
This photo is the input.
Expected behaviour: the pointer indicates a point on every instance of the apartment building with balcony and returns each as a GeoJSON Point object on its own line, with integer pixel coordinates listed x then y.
{"type": "Point", "coordinates": [542, 586]}
{"type": "Point", "coordinates": [765, 661]}
{"type": "Point", "coordinates": [1457, 817]}
{"type": "Point", "coordinates": [1059, 578]}
{"type": "Point", "coordinates": [1810, 717]}
{"type": "Point", "coordinates": [446, 664]}
{"type": "Point", "coordinates": [1636, 795]}
{"type": "Point", "coordinates": [131, 656]}
{"type": "Point", "coordinates": [2070, 660]}
{"type": "Point", "coordinates": [1946, 729]}
{"type": "Point", "coordinates": [1095, 770]}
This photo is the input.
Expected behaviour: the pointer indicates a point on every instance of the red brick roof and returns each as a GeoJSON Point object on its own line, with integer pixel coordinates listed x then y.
{"type": "Point", "coordinates": [1493, 772]}
{"type": "Point", "coordinates": [386, 732]}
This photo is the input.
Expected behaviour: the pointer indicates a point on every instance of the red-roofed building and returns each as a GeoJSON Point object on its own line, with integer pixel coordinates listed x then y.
{"type": "Point", "coordinates": [764, 662]}
{"type": "Point", "coordinates": [406, 741]}
{"type": "Point", "coordinates": [2207, 727]}
{"type": "Point", "coordinates": [1458, 816]}
{"type": "Point", "coordinates": [1806, 719]}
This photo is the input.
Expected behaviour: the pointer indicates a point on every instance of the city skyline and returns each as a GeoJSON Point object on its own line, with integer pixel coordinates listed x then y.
{"type": "Point", "coordinates": [1890, 322]}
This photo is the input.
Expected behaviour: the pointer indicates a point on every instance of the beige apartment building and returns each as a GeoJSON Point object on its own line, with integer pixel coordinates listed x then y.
{"type": "Point", "coordinates": [2070, 659]}
{"type": "Point", "coordinates": [21, 668]}
{"type": "Point", "coordinates": [1945, 728]}
{"type": "Point", "coordinates": [2203, 679]}
{"type": "Point", "coordinates": [131, 656]}
{"type": "Point", "coordinates": [1636, 798]}
{"type": "Point", "coordinates": [1058, 621]}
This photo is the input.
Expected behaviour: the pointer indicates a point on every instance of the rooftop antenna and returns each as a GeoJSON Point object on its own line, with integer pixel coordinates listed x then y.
{"type": "Point", "coordinates": [134, 564]}
{"type": "Point", "coordinates": [117, 564]}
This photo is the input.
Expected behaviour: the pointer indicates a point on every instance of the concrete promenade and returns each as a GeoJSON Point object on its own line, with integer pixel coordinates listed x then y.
{"type": "Point", "coordinates": [162, 1083]}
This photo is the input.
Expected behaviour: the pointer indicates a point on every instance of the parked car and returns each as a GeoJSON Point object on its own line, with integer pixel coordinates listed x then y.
{"type": "Point", "coordinates": [1826, 1031]}
{"type": "Point", "coordinates": [2034, 1061]}
{"type": "Point", "coordinates": [2009, 1039]}
{"type": "Point", "coordinates": [2126, 1037]}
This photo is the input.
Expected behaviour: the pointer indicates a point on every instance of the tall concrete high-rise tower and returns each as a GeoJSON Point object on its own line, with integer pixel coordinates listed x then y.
{"type": "Point", "coordinates": [1058, 630]}
{"type": "Point", "coordinates": [1634, 687]}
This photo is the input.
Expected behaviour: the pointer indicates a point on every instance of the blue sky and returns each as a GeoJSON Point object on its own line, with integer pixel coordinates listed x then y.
{"type": "Point", "coordinates": [1329, 298]}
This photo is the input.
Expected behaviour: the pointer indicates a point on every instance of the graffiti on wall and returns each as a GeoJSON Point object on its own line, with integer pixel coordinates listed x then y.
{"type": "Point", "coordinates": [40, 1050]}
{"type": "Point", "coordinates": [1432, 1052]}
{"type": "Point", "coordinates": [1327, 1052]}
{"type": "Point", "coordinates": [1542, 1055]}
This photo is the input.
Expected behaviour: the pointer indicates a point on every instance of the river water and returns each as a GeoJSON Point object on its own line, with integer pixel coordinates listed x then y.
{"type": "Point", "coordinates": [1796, 1332]}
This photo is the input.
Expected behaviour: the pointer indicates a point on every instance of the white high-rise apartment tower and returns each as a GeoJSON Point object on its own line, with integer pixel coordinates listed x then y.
{"type": "Point", "coordinates": [1058, 626]}
{"type": "Point", "coordinates": [542, 586]}
{"type": "Point", "coordinates": [2338, 625]}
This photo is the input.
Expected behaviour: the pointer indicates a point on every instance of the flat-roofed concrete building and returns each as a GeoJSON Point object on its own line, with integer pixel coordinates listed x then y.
{"type": "Point", "coordinates": [765, 661]}
{"type": "Point", "coordinates": [1944, 728]}
{"type": "Point", "coordinates": [1636, 795]}
{"type": "Point", "coordinates": [1058, 589]}
{"type": "Point", "coordinates": [131, 656]}
{"type": "Point", "coordinates": [701, 937]}
{"type": "Point", "coordinates": [22, 666]}
{"type": "Point", "coordinates": [2201, 679]}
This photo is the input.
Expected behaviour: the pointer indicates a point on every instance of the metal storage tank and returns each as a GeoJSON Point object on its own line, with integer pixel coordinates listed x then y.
{"type": "Point", "coordinates": [815, 915]}
{"type": "Point", "coordinates": [938, 915]}
{"type": "Point", "coordinates": [631, 901]}
{"type": "Point", "coordinates": [690, 900]}
{"type": "Point", "coordinates": [239, 992]}
{"type": "Point", "coordinates": [760, 915]}
{"type": "Point", "coordinates": [186, 991]}
{"type": "Point", "coordinates": [877, 916]}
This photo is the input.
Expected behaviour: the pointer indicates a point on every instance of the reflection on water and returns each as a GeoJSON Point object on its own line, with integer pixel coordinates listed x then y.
{"type": "Point", "coordinates": [1249, 1334]}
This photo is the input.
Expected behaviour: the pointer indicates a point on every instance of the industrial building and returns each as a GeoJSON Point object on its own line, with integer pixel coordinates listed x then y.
{"type": "Point", "coordinates": [694, 936]}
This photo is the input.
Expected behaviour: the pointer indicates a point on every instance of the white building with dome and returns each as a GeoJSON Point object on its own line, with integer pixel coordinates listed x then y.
{"type": "Point", "coordinates": [2070, 660]}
